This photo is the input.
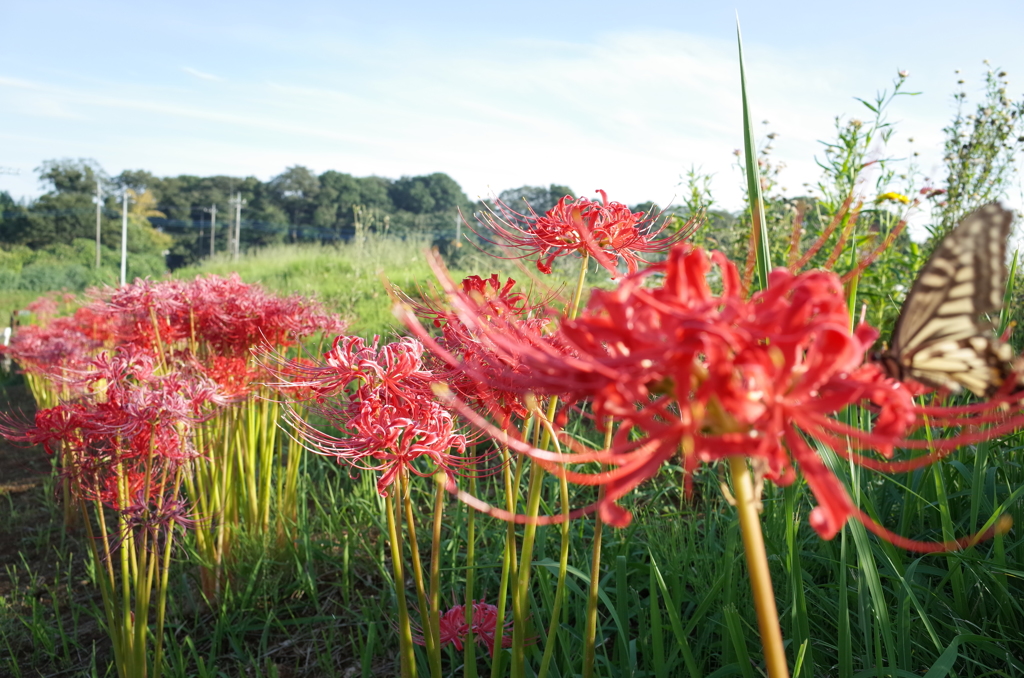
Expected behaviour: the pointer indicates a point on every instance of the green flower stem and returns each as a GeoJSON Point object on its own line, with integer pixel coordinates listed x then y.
{"type": "Point", "coordinates": [435, 571]}
{"type": "Point", "coordinates": [407, 658]}
{"type": "Point", "coordinates": [161, 605]}
{"type": "Point", "coordinates": [509, 568]}
{"type": "Point", "coordinates": [590, 634]}
{"type": "Point", "coordinates": [469, 662]}
{"type": "Point", "coordinates": [563, 565]}
{"type": "Point", "coordinates": [105, 578]}
{"type": "Point", "coordinates": [405, 490]}
{"type": "Point", "coordinates": [521, 597]}
{"type": "Point", "coordinates": [757, 564]}
{"type": "Point", "coordinates": [578, 293]}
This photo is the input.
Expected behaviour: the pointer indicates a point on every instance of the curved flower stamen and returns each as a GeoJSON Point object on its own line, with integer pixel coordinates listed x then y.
{"type": "Point", "coordinates": [719, 375]}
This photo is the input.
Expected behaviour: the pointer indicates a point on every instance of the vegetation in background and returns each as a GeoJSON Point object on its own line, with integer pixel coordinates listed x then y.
{"type": "Point", "coordinates": [673, 601]}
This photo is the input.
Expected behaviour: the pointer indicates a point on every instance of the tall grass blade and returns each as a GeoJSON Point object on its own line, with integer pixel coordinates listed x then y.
{"type": "Point", "coordinates": [759, 229]}
{"type": "Point", "coordinates": [673, 615]}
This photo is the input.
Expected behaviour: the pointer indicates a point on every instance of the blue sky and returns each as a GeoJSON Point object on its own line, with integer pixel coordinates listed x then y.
{"type": "Point", "coordinates": [623, 96]}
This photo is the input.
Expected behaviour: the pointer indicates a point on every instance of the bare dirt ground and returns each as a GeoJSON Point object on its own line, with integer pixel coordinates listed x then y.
{"type": "Point", "coordinates": [41, 568]}
{"type": "Point", "coordinates": [23, 474]}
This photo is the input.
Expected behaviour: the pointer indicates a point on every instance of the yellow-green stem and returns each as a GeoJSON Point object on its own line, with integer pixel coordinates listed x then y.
{"type": "Point", "coordinates": [405, 489]}
{"type": "Point", "coordinates": [589, 635]}
{"type": "Point", "coordinates": [578, 293]}
{"type": "Point", "coordinates": [757, 564]}
{"type": "Point", "coordinates": [105, 578]}
{"type": "Point", "coordinates": [563, 565]}
{"type": "Point", "coordinates": [470, 648]}
{"type": "Point", "coordinates": [407, 658]}
{"type": "Point", "coordinates": [435, 571]}
{"type": "Point", "coordinates": [508, 561]}
{"type": "Point", "coordinates": [521, 599]}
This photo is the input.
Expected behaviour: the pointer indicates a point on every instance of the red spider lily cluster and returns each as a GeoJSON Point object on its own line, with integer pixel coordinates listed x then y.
{"type": "Point", "coordinates": [208, 324]}
{"type": "Point", "coordinates": [123, 443]}
{"type": "Point", "coordinates": [223, 315]}
{"type": "Point", "coordinates": [58, 347]}
{"type": "Point", "coordinates": [489, 298]}
{"type": "Point", "coordinates": [455, 630]}
{"type": "Point", "coordinates": [680, 368]}
{"type": "Point", "coordinates": [608, 231]}
{"type": "Point", "coordinates": [139, 366]}
{"type": "Point", "coordinates": [381, 399]}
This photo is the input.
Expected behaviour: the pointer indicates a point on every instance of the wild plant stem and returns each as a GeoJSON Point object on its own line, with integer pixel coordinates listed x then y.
{"type": "Point", "coordinates": [757, 564]}
{"type": "Point", "coordinates": [590, 632]}
{"type": "Point", "coordinates": [470, 647]}
{"type": "Point", "coordinates": [405, 489]}
{"type": "Point", "coordinates": [508, 562]}
{"type": "Point", "coordinates": [435, 572]}
{"type": "Point", "coordinates": [407, 660]}
{"type": "Point", "coordinates": [521, 599]}
{"type": "Point", "coordinates": [563, 565]}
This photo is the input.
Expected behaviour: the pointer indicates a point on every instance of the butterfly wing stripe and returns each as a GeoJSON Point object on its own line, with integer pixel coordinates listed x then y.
{"type": "Point", "coordinates": [940, 337]}
{"type": "Point", "coordinates": [940, 329]}
{"type": "Point", "coordinates": [973, 253]}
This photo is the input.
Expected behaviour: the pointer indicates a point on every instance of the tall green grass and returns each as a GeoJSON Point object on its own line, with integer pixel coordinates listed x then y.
{"type": "Point", "coordinates": [674, 599]}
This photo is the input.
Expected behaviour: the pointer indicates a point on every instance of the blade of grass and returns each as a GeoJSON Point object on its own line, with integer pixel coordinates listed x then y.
{"type": "Point", "coordinates": [759, 229]}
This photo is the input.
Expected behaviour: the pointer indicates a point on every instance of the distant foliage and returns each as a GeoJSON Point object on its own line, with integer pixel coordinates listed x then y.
{"type": "Point", "coordinates": [981, 150]}
{"type": "Point", "coordinates": [539, 198]}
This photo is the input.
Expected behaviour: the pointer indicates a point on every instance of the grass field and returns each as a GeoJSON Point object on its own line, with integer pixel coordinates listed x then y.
{"type": "Point", "coordinates": [674, 599]}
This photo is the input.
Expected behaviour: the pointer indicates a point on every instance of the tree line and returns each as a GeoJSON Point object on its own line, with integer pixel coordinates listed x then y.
{"type": "Point", "coordinates": [170, 219]}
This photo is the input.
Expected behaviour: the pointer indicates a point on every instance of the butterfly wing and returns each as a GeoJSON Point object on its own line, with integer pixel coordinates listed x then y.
{"type": "Point", "coordinates": [940, 338]}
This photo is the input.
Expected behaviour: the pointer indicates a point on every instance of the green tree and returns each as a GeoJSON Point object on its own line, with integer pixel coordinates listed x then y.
{"type": "Point", "coordinates": [66, 211]}
{"type": "Point", "coordinates": [539, 198]}
{"type": "Point", "coordinates": [295, 190]}
{"type": "Point", "coordinates": [136, 180]}
{"type": "Point", "coordinates": [73, 176]}
{"type": "Point", "coordinates": [342, 196]}
{"type": "Point", "coordinates": [429, 193]}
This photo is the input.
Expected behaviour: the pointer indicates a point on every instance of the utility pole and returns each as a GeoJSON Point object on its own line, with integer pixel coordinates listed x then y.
{"type": "Point", "coordinates": [458, 230]}
{"type": "Point", "coordinates": [99, 207]}
{"type": "Point", "coordinates": [212, 211]}
{"type": "Point", "coordinates": [124, 236]}
{"type": "Point", "coordinates": [238, 204]}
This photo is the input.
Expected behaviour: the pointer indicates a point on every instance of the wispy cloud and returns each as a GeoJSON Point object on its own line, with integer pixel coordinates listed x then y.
{"type": "Point", "coordinates": [628, 112]}
{"type": "Point", "coordinates": [201, 75]}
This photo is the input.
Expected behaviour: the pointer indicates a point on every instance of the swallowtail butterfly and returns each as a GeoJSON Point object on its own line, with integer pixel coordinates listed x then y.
{"type": "Point", "coordinates": [941, 338]}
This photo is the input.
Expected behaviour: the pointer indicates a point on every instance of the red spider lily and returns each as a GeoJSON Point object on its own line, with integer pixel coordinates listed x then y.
{"type": "Point", "coordinates": [234, 376]}
{"type": "Point", "coordinates": [454, 628]}
{"type": "Point", "coordinates": [44, 309]}
{"type": "Point", "coordinates": [489, 298]}
{"type": "Point", "coordinates": [153, 516]}
{"type": "Point", "coordinates": [232, 316]}
{"type": "Point", "coordinates": [120, 443]}
{"type": "Point", "coordinates": [386, 409]}
{"type": "Point", "coordinates": [720, 375]}
{"type": "Point", "coordinates": [58, 350]}
{"type": "Point", "coordinates": [606, 230]}
{"type": "Point", "coordinates": [223, 316]}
